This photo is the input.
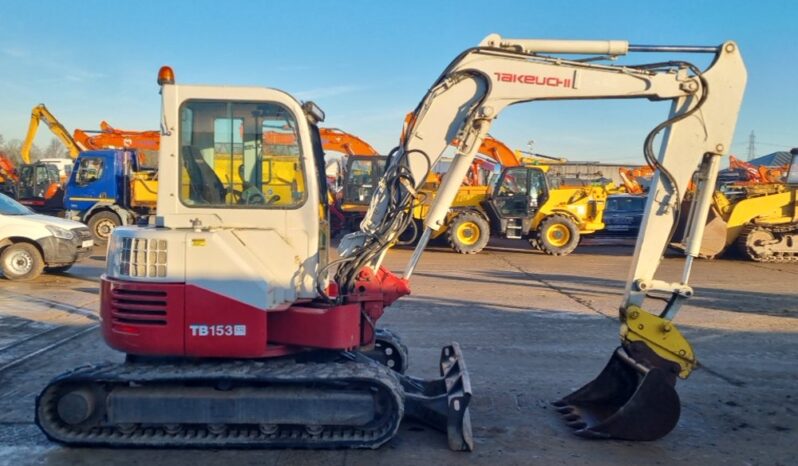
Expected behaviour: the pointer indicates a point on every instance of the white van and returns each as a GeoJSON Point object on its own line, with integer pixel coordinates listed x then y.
{"type": "Point", "coordinates": [31, 243]}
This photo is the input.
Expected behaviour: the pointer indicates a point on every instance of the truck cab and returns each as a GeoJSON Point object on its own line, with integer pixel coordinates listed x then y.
{"type": "Point", "coordinates": [109, 188]}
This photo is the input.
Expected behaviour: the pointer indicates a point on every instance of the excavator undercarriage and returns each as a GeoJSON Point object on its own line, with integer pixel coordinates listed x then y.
{"type": "Point", "coordinates": [313, 400]}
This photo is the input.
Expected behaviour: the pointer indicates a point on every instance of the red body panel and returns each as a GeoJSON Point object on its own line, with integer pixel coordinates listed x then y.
{"type": "Point", "coordinates": [336, 327]}
{"type": "Point", "coordinates": [142, 318]}
{"type": "Point", "coordinates": [218, 326]}
{"type": "Point", "coordinates": [176, 319]}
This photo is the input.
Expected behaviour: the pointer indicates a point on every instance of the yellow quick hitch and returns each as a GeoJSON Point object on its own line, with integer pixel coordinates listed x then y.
{"type": "Point", "coordinates": [661, 335]}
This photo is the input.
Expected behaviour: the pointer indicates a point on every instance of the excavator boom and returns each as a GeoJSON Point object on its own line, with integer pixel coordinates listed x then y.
{"type": "Point", "coordinates": [340, 141]}
{"type": "Point", "coordinates": [462, 104]}
{"type": "Point", "coordinates": [41, 113]}
{"type": "Point", "coordinates": [111, 138]}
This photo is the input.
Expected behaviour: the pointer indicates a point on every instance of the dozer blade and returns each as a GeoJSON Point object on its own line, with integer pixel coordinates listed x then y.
{"type": "Point", "coordinates": [631, 399]}
{"type": "Point", "coordinates": [715, 233]}
{"type": "Point", "coordinates": [443, 403]}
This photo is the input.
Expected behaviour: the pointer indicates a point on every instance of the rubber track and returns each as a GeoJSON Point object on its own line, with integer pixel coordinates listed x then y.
{"type": "Point", "coordinates": [337, 374]}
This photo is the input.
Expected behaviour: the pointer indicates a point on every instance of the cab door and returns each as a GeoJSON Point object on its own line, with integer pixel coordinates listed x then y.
{"type": "Point", "coordinates": [510, 197]}
{"type": "Point", "coordinates": [93, 180]}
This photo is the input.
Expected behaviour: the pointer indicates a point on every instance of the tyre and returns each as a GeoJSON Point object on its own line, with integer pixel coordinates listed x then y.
{"type": "Point", "coordinates": [21, 261]}
{"type": "Point", "coordinates": [58, 268]}
{"type": "Point", "coordinates": [102, 224]}
{"type": "Point", "coordinates": [468, 233]}
{"type": "Point", "coordinates": [412, 233]}
{"type": "Point", "coordinates": [558, 235]}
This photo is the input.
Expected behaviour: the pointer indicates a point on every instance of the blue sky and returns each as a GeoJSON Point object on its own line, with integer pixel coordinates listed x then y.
{"type": "Point", "coordinates": [368, 63]}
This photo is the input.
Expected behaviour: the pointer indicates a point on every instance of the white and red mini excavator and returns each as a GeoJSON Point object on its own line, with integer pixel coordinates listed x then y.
{"type": "Point", "coordinates": [240, 333]}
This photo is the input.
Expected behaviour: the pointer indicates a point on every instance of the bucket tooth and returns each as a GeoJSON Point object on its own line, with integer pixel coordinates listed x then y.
{"type": "Point", "coordinates": [628, 400]}
{"type": "Point", "coordinates": [443, 403]}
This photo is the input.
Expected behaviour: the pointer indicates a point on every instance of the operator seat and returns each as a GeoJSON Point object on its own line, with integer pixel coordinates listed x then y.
{"type": "Point", "coordinates": [205, 186]}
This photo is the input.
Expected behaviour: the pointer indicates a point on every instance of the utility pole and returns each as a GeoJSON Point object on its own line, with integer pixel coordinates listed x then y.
{"type": "Point", "coordinates": [751, 146]}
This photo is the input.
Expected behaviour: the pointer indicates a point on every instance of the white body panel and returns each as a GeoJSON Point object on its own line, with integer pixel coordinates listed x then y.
{"type": "Point", "coordinates": [265, 257]}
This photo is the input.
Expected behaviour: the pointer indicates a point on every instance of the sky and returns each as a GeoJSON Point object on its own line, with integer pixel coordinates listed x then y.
{"type": "Point", "coordinates": [367, 63]}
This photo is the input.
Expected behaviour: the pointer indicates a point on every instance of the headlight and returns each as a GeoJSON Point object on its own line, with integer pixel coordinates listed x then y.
{"type": "Point", "coordinates": [59, 232]}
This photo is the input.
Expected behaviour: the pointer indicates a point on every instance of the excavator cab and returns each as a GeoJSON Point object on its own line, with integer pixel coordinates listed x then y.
{"type": "Point", "coordinates": [361, 177]}
{"type": "Point", "coordinates": [39, 187]}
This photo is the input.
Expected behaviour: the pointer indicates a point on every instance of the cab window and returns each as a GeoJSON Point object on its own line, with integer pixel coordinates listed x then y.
{"type": "Point", "coordinates": [514, 182]}
{"type": "Point", "coordinates": [90, 169]}
{"type": "Point", "coordinates": [240, 155]}
{"type": "Point", "coordinates": [363, 175]}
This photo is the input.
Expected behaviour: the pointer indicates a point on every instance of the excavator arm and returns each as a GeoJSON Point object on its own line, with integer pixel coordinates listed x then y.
{"type": "Point", "coordinates": [111, 138]}
{"type": "Point", "coordinates": [463, 103]}
{"type": "Point", "coordinates": [41, 113]}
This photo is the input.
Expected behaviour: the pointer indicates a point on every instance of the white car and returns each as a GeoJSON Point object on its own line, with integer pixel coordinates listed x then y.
{"type": "Point", "coordinates": [31, 243]}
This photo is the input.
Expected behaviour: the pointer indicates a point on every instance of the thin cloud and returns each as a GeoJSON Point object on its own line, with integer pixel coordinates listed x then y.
{"type": "Point", "coordinates": [79, 75]}
{"type": "Point", "coordinates": [285, 68]}
{"type": "Point", "coordinates": [15, 52]}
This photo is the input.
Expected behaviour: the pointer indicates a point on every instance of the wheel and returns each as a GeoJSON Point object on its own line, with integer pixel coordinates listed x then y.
{"type": "Point", "coordinates": [558, 235]}
{"type": "Point", "coordinates": [21, 261]}
{"type": "Point", "coordinates": [468, 233]}
{"type": "Point", "coordinates": [102, 224]}
{"type": "Point", "coordinates": [58, 269]}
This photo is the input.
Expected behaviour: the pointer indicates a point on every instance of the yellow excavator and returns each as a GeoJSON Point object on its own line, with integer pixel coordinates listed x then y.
{"type": "Point", "coordinates": [40, 184]}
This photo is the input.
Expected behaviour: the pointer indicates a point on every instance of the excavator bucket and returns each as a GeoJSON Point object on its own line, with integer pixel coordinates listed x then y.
{"type": "Point", "coordinates": [631, 399]}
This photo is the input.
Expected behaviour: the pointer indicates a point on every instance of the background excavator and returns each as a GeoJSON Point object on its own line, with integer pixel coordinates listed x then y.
{"type": "Point", "coordinates": [40, 184]}
{"type": "Point", "coordinates": [636, 180]}
{"type": "Point", "coordinates": [8, 176]}
{"type": "Point", "coordinates": [296, 358]}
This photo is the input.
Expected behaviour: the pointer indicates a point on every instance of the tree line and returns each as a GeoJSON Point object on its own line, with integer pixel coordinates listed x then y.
{"type": "Point", "coordinates": [13, 150]}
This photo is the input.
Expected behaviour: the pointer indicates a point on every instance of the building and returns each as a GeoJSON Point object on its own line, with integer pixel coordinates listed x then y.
{"type": "Point", "coordinates": [590, 170]}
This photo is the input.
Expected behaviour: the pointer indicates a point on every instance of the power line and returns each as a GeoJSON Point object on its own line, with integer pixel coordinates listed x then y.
{"type": "Point", "coordinates": [761, 143]}
{"type": "Point", "coordinates": [751, 145]}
